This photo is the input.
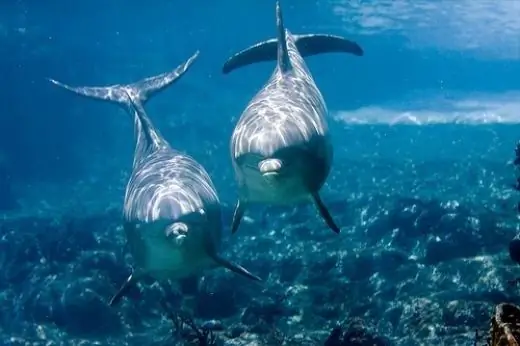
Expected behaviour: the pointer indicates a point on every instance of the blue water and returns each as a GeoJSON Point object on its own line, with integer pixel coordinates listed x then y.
{"type": "Point", "coordinates": [430, 114]}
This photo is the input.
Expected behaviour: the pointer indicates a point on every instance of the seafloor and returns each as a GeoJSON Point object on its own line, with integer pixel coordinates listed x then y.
{"type": "Point", "coordinates": [426, 213]}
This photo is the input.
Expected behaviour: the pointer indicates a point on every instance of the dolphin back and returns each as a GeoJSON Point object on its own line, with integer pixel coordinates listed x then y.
{"type": "Point", "coordinates": [276, 48]}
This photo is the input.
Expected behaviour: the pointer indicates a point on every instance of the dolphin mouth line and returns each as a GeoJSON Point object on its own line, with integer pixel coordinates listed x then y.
{"type": "Point", "coordinates": [270, 174]}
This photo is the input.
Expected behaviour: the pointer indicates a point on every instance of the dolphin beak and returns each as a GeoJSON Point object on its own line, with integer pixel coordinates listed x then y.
{"type": "Point", "coordinates": [270, 167]}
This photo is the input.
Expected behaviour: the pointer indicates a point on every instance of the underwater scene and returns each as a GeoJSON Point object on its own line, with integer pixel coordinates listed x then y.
{"type": "Point", "coordinates": [260, 172]}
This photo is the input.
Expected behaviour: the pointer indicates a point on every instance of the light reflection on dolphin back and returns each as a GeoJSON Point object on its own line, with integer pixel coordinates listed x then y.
{"type": "Point", "coordinates": [169, 185]}
{"type": "Point", "coordinates": [289, 111]}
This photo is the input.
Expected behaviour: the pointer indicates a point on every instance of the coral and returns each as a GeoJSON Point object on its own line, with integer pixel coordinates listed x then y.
{"type": "Point", "coordinates": [352, 333]}
{"type": "Point", "coordinates": [505, 325]}
{"type": "Point", "coordinates": [185, 328]}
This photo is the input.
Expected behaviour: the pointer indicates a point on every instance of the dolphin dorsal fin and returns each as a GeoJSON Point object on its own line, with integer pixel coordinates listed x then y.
{"type": "Point", "coordinates": [284, 62]}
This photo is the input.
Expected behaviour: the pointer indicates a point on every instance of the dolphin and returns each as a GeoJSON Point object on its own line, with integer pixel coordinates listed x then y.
{"type": "Point", "coordinates": [280, 148]}
{"type": "Point", "coordinates": [171, 212]}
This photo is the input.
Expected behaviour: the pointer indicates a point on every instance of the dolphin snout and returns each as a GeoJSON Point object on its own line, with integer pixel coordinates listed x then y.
{"type": "Point", "coordinates": [177, 228]}
{"type": "Point", "coordinates": [270, 167]}
{"type": "Point", "coordinates": [177, 231]}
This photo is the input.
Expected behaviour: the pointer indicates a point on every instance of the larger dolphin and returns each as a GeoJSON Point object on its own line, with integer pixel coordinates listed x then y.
{"type": "Point", "coordinates": [280, 147]}
{"type": "Point", "coordinates": [172, 214]}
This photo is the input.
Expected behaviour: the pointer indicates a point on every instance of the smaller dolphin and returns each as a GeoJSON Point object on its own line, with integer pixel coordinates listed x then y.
{"type": "Point", "coordinates": [172, 214]}
{"type": "Point", "coordinates": [280, 148]}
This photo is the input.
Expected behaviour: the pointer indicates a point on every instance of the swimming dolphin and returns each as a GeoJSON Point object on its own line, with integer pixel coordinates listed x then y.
{"type": "Point", "coordinates": [280, 147]}
{"type": "Point", "coordinates": [172, 214]}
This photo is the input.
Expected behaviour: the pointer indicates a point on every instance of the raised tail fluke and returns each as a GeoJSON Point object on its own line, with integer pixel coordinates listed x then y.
{"type": "Point", "coordinates": [276, 48]}
{"type": "Point", "coordinates": [139, 91]}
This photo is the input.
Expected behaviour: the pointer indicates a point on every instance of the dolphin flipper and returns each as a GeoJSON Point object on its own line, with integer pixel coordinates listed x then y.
{"type": "Point", "coordinates": [238, 214]}
{"type": "Point", "coordinates": [123, 290]}
{"type": "Point", "coordinates": [234, 267]}
{"type": "Point", "coordinates": [275, 49]}
{"type": "Point", "coordinates": [139, 91]}
{"type": "Point", "coordinates": [325, 214]}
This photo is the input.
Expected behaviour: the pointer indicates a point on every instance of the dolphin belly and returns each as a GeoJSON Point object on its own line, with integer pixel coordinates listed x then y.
{"type": "Point", "coordinates": [270, 188]}
{"type": "Point", "coordinates": [170, 249]}
{"type": "Point", "coordinates": [157, 257]}
{"type": "Point", "coordinates": [164, 261]}
{"type": "Point", "coordinates": [288, 176]}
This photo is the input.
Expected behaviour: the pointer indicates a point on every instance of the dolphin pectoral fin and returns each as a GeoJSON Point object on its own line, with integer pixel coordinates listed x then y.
{"type": "Point", "coordinates": [324, 212]}
{"type": "Point", "coordinates": [234, 267]}
{"type": "Point", "coordinates": [238, 214]}
{"type": "Point", "coordinates": [123, 290]}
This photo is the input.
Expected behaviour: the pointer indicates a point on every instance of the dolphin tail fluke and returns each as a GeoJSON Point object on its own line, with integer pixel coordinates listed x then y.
{"type": "Point", "coordinates": [234, 267]}
{"type": "Point", "coordinates": [139, 91]}
{"type": "Point", "coordinates": [314, 44]}
{"type": "Point", "coordinates": [238, 214]}
{"type": "Point", "coordinates": [308, 45]}
{"type": "Point", "coordinates": [276, 48]}
{"type": "Point", "coordinates": [325, 214]}
{"type": "Point", "coordinates": [123, 290]}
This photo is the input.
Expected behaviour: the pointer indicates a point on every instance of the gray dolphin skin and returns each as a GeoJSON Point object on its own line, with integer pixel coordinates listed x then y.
{"type": "Point", "coordinates": [280, 148]}
{"type": "Point", "coordinates": [172, 214]}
